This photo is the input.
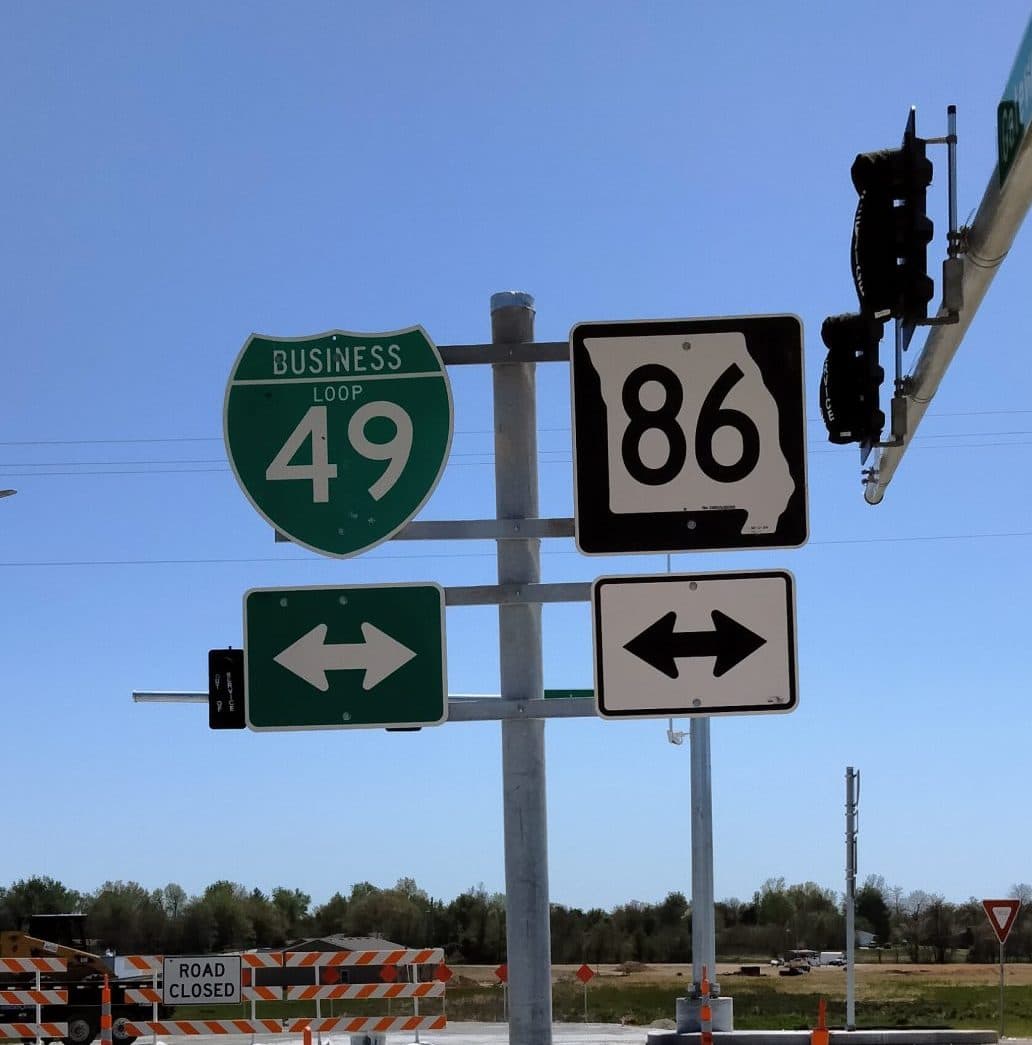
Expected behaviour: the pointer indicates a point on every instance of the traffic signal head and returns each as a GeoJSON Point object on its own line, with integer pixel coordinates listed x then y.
{"type": "Point", "coordinates": [891, 231]}
{"type": "Point", "coordinates": [852, 378]}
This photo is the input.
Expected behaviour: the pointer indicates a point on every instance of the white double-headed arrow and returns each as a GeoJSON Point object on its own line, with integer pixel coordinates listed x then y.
{"type": "Point", "coordinates": [311, 657]}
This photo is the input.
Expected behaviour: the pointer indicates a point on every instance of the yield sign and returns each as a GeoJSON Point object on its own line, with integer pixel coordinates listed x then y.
{"type": "Point", "coordinates": [1001, 914]}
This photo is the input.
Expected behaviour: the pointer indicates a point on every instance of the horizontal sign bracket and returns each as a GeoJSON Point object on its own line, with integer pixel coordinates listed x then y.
{"type": "Point", "coordinates": [461, 708]}
{"type": "Point", "coordinates": [520, 352]}
{"type": "Point", "coordinates": [516, 594]}
{"type": "Point", "coordinates": [485, 529]}
{"type": "Point", "coordinates": [494, 709]}
{"type": "Point", "coordinates": [477, 529]}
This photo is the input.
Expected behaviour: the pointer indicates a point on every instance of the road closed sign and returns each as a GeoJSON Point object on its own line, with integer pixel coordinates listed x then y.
{"type": "Point", "coordinates": [689, 434]}
{"type": "Point", "coordinates": [201, 979]}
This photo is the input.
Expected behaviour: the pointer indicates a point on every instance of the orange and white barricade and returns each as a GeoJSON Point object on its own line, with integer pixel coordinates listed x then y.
{"type": "Point", "coordinates": [36, 996]}
{"type": "Point", "coordinates": [305, 1025]}
{"type": "Point", "coordinates": [341, 1024]}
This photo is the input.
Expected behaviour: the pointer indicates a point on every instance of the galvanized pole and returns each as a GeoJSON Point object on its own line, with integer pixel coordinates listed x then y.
{"type": "Point", "coordinates": [704, 944]}
{"type": "Point", "coordinates": [1001, 990]}
{"type": "Point", "coordinates": [852, 780]}
{"type": "Point", "coordinates": [528, 936]}
{"type": "Point", "coordinates": [999, 216]}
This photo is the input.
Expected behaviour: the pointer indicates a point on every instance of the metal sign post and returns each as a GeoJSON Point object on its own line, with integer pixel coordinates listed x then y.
{"type": "Point", "coordinates": [1001, 988]}
{"type": "Point", "coordinates": [703, 922]}
{"type": "Point", "coordinates": [852, 801]}
{"type": "Point", "coordinates": [1002, 915]}
{"type": "Point", "coordinates": [519, 636]}
{"type": "Point", "coordinates": [339, 439]}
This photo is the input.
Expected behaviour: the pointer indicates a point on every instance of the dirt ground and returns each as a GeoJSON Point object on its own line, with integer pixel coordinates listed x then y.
{"type": "Point", "coordinates": [826, 978]}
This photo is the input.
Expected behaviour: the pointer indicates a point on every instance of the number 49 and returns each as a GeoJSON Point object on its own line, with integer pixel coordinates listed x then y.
{"type": "Point", "coordinates": [313, 426]}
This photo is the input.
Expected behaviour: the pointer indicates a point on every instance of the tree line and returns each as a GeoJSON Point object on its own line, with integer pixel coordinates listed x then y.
{"type": "Point", "coordinates": [129, 919]}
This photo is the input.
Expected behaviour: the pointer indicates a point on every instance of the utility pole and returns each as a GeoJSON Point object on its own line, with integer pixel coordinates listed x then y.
{"type": "Point", "coordinates": [852, 802]}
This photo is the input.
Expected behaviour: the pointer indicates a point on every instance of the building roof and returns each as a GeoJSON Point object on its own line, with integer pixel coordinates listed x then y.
{"type": "Point", "coordinates": [339, 942]}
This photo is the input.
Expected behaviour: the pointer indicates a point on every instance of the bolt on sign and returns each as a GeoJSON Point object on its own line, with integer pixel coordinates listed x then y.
{"type": "Point", "coordinates": [340, 657]}
{"type": "Point", "coordinates": [695, 644]}
{"type": "Point", "coordinates": [201, 979]}
{"type": "Point", "coordinates": [338, 439]}
{"type": "Point", "coordinates": [1014, 113]}
{"type": "Point", "coordinates": [689, 434]}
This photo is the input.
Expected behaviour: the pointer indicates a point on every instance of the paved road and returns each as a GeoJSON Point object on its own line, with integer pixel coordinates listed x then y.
{"type": "Point", "coordinates": [461, 1034]}
{"type": "Point", "coordinates": [453, 1034]}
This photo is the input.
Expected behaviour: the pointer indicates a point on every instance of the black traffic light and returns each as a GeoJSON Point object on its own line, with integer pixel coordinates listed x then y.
{"type": "Point", "coordinates": [891, 232]}
{"type": "Point", "coordinates": [852, 378]}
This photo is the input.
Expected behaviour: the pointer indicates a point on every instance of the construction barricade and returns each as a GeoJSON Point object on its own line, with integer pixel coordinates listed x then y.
{"type": "Point", "coordinates": [401, 958]}
{"type": "Point", "coordinates": [35, 996]}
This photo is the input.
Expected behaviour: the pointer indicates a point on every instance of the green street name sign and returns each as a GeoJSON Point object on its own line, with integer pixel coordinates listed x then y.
{"type": "Point", "coordinates": [350, 657]}
{"type": "Point", "coordinates": [1012, 114]}
{"type": "Point", "coordinates": [338, 439]}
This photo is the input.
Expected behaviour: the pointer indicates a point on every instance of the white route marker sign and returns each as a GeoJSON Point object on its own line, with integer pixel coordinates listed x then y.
{"type": "Point", "coordinates": [689, 434]}
{"type": "Point", "coordinates": [694, 644]}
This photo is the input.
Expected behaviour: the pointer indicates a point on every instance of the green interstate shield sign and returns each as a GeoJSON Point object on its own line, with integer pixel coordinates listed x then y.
{"type": "Point", "coordinates": [338, 439]}
{"type": "Point", "coordinates": [346, 657]}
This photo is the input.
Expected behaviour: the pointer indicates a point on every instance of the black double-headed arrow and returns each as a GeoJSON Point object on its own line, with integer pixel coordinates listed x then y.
{"type": "Point", "coordinates": [729, 643]}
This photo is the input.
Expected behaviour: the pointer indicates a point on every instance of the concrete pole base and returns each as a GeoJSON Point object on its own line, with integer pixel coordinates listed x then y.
{"type": "Point", "coordinates": [686, 1014]}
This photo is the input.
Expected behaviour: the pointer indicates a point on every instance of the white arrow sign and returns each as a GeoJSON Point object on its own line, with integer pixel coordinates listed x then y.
{"type": "Point", "coordinates": [311, 656]}
{"type": "Point", "coordinates": [695, 644]}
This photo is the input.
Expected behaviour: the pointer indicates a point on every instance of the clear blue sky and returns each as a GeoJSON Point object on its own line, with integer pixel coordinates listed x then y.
{"type": "Point", "coordinates": [178, 176]}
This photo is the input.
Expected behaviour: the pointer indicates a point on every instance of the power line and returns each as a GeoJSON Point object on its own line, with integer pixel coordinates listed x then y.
{"type": "Point", "coordinates": [112, 464]}
{"type": "Point", "coordinates": [105, 442]}
{"type": "Point", "coordinates": [917, 538]}
{"type": "Point", "coordinates": [209, 460]}
{"type": "Point", "coordinates": [198, 439]}
{"type": "Point", "coordinates": [115, 471]}
{"type": "Point", "coordinates": [95, 468]}
{"type": "Point", "coordinates": [460, 432]}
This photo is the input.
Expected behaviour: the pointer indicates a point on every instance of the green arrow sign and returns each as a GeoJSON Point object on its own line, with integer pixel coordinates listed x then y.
{"type": "Point", "coordinates": [1015, 108]}
{"type": "Point", "coordinates": [338, 439]}
{"type": "Point", "coordinates": [345, 657]}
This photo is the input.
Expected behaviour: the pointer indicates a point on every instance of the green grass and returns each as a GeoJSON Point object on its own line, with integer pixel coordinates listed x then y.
{"type": "Point", "coordinates": [924, 1006]}
{"type": "Point", "coordinates": [757, 1006]}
